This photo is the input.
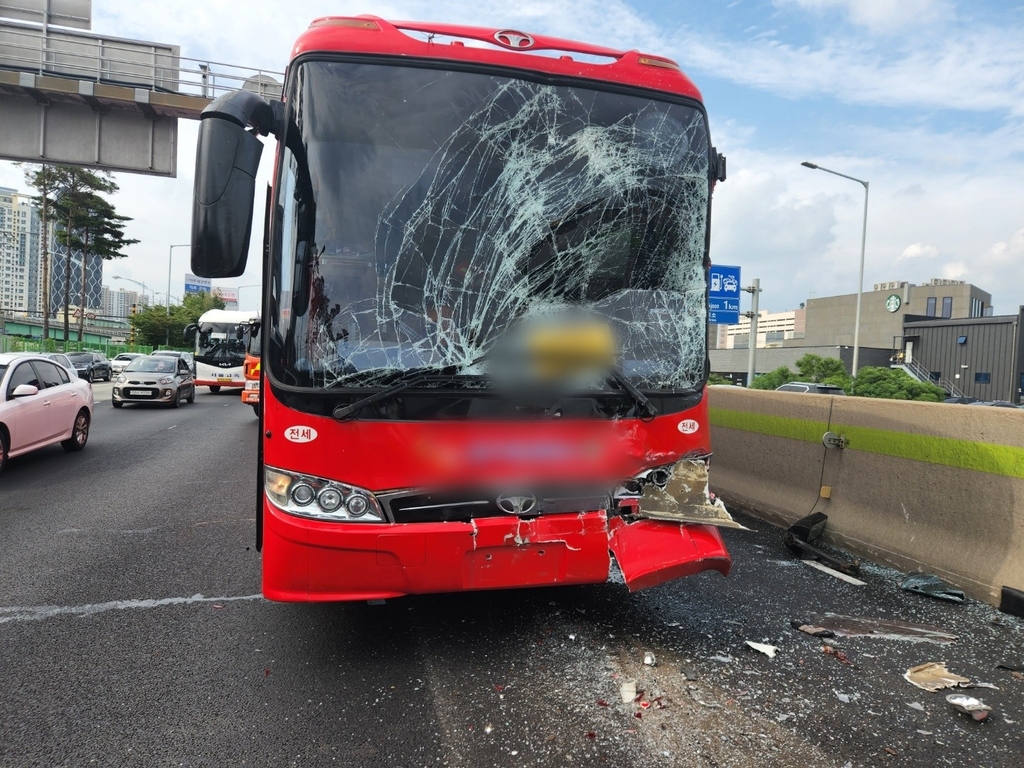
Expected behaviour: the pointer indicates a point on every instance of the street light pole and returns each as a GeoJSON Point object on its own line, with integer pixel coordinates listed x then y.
{"type": "Point", "coordinates": [754, 290]}
{"type": "Point", "coordinates": [863, 244]}
{"type": "Point", "coordinates": [170, 252]}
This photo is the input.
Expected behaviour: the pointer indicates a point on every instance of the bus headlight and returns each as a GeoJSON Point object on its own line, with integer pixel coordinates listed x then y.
{"type": "Point", "coordinates": [319, 498]}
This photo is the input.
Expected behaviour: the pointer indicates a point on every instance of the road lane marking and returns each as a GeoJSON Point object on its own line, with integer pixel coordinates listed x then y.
{"type": "Point", "coordinates": [39, 612]}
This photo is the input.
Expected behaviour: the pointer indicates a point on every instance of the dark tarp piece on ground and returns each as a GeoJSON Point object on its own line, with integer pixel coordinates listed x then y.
{"type": "Point", "coordinates": [798, 538]}
{"type": "Point", "coordinates": [1012, 601]}
{"type": "Point", "coordinates": [859, 626]}
{"type": "Point", "coordinates": [931, 585]}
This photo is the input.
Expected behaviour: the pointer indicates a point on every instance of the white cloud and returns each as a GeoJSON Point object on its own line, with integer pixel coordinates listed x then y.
{"type": "Point", "coordinates": [975, 69]}
{"type": "Point", "coordinates": [919, 251]}
{"type": "Point", "coordinates": [880, 16]}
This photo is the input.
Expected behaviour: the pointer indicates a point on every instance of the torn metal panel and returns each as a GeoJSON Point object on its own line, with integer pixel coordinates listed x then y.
{"type": "Point", "coordinates": [685, 498]}
{"type": "Point", "coordinates": [651, 552]}
{"type": "Point", "coordinates": [859, 626]}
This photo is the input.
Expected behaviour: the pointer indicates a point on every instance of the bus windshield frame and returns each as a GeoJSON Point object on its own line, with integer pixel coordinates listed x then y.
{"type": "Point", "coordinates": [511, 198]}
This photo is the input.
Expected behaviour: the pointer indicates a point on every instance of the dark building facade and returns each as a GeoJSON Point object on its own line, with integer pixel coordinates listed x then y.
{"type": "Point", "coordinates": [59, 264]}
{"type": "Point", "coordinates": [982, 356]}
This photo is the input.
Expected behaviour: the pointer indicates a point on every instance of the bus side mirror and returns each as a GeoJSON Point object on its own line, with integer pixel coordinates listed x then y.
{"type": "Point", "coordinates": [189, 332]}
{"type": "Point", "coordinates": [227, 159]}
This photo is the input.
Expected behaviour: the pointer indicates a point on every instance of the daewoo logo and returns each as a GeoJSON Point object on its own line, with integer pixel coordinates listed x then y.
{"type": "Point", "coordinates": [517, 41]}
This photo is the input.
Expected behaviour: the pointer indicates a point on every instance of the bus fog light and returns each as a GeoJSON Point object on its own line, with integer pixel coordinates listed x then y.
{"type": "Point", "coordinates": [329, 499]}
{"type": "Point", "coordinates": [357, 505]}
{"type": "Point", "coordinates": [303, 494]}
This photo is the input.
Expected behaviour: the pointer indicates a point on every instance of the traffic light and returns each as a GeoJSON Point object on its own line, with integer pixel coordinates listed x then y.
{"type": "Point", "coordinates": [135, 308]}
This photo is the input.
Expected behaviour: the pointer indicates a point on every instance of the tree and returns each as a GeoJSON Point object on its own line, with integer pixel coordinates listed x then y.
{"type": "Point", "coordinates": [154, 325]}
{"type": "Point", "coordinates": [74, 189]}
{"type": "Point", "coordinates": [100, 233]}
{"type": "Point", "coordinates": [823, 370]}
{"type": "Point", "coordinates": [44, 180]}
{"type": "Point", "coordinates": [773, 379]}
{"type": "Point", "coordinates": [894, 384]}
{"type": "Point", "coordinates": [715, 378]}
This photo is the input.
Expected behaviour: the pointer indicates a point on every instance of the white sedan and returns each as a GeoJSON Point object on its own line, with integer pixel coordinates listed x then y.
{"type": "Point", "coordinates": [41, 404]}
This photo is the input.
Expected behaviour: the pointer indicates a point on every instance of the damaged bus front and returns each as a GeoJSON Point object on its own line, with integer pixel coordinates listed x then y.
{"type": "Point", "coordinates": [485, 318]}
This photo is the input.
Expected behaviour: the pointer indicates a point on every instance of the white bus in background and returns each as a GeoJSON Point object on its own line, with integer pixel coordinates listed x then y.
{"type": "Point", "coordinates": [220, 342]}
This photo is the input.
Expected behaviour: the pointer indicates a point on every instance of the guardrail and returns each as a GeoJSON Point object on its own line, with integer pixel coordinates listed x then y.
{"type": "Point", "coordinates": [154, 66]}
{"type": "Point", "coordinates": [929, 486]}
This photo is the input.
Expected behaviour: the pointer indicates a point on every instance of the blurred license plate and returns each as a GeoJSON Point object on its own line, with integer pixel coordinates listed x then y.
{"type": "Point", "coordinates": [138, 393]}
{"type": "Point", "coordinates": [251, 385]}
{"type": "Point", "coordinates": [225, 379]}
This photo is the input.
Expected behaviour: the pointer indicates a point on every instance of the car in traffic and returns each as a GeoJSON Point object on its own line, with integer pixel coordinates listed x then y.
{"type": "Point", "coordinates": [41, 403]}
{"type": "Point", "coordinates": [186, 356]}
{"type": "Point", "coordinates": [61, 359]}
{"type": "Point", "coordinates": [91, 366]}
{"type": "Point", "coordinates": [811, 387]}
{"type": "Point", "coordinates": [120, 362]}
{"type": "Point", "coordinates": [154, 379]}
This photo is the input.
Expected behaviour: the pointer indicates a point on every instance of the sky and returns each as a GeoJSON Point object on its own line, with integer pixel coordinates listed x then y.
{"type": "Point", "coordinates": [924, 99]}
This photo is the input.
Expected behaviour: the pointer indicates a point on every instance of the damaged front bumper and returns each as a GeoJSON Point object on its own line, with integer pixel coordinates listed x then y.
{"type": "Point", "coordinates": [655, 533]}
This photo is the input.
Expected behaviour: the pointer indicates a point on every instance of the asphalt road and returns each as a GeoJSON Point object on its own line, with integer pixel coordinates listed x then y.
{"type": "Point", "coordinates": [131, 633]}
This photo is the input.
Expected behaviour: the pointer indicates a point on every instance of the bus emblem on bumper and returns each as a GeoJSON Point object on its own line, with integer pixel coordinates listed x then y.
{"type": "Point", "coordinates": [516, 504]}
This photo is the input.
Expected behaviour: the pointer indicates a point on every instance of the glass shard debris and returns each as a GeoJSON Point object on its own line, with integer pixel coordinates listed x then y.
{"type": "Point", "coordinates": [685, 498]}
{"type": "Point", "coordinates": [976, 708]}
{"type": "Point", "coordinates": [933, 676]}
{"type": "Point", "coordinates": [858, 626]}
{"type": "Point", "coordinates": [933, 586]}
{"type": "Point", "coordinates": [767, 650]}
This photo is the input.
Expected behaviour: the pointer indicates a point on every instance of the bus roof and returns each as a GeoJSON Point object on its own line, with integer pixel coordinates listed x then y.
{"type": "Point", "coordinates": [495, 47]}
{"type": "Point", "coordinates": [230, 316]}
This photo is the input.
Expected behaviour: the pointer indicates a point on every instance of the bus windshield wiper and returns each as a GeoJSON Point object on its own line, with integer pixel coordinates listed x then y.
{"type": "Point", "coordinates": [641, 400]}
{"type": "Point", "coordinates": [347, 412]}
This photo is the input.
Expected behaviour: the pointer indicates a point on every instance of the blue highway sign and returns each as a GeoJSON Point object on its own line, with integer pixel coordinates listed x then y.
{"type": "Point", "coordinates": [724, 296]}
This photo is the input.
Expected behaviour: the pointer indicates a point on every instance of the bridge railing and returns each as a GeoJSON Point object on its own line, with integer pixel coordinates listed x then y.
{"type": "Point", "coordinates": [153, 66]}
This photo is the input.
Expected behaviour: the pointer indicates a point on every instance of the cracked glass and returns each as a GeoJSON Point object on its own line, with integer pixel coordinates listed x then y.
{"type": "Point", "coordinates": [422, 215]}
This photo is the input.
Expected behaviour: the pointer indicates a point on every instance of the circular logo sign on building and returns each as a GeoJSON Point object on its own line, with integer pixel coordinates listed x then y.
{"type": "Point", "coordinates": [893, 303]}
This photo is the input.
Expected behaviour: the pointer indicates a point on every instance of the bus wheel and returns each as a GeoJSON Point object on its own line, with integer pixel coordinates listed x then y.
{"type": "Point", "coordinates": [215, 390]}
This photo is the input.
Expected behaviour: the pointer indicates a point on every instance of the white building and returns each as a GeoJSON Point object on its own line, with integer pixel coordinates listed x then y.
{"type": "Point", "coordinates": [772, 329]}
{"type": "Point", "coordinates": [118, 303]}
{"type": "Point", "coordinates": [20, 249]}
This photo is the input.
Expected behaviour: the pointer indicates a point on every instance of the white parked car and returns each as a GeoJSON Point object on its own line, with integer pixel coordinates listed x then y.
{"type": "Point", "coordinates": [41, 403]}
{"type": "Point", "coordinates": [119, 363]}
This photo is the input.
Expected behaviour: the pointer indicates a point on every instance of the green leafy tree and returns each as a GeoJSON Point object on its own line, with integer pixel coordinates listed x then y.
{"type": "Point", "coordinates": [155, 326]}
{"type": "Point", "coordinates": [74, 193]}
{"type": "Point", "coordinates": [100, 233]}
{"type": "Point", "coordinates": [894, 384]}
{"type": "Point", "coordinates": [773, 379]}
{"type": "Point", "coordinates": [716, 378]}
{"type": "Point", "coordinates": [44, 179]}
{"type": "Point", "coordinates": [823, 370]}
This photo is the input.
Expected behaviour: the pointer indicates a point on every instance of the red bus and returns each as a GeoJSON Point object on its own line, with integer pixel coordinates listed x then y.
{"type": "Point", "coordinates": [484, 321]}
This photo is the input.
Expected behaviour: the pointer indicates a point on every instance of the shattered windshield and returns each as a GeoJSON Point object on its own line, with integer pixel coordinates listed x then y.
{"type": "Point", "coordinates": [422, 215]}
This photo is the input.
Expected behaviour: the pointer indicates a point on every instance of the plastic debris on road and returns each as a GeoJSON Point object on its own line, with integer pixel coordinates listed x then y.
{"type": "Point", "coordinates": [812, 630]}
{"type": "Point", "coordinates": [933, 586]}
{"type": "Point", "coordinates": [846, 698]}
{"type": "Point", "coordinates": [916, 705]}
{"type": "Point", "coordinates": [649, 659]}
{"type": "Point", "coordinates": [933, 676]}
{"type": "Point", "coordinates": [767, 650]}
{"type": "Point", "coordinates": [627, 690]}
{"type": "Point", "coordinates": [858, 626]}
{"type": "Point", "coordinates": [976, 708]}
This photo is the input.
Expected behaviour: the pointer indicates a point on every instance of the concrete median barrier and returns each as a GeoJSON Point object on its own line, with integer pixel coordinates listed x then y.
{"type": "Point", "coordinates": [924, 486]}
